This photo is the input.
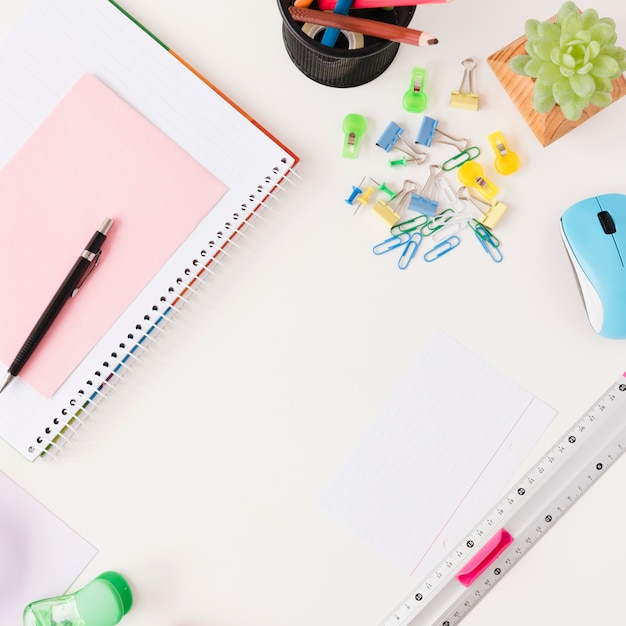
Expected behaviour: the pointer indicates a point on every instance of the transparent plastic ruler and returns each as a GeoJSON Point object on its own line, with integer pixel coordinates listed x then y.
{"type": "Point", "coordinates": [524, 516]}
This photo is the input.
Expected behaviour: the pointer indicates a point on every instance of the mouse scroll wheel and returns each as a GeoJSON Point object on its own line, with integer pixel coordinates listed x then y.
{"type": "Point", "coordinates": [608, 225]}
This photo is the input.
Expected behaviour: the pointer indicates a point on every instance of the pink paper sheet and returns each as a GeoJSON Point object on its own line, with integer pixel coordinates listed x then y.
{"type": "Point", "coordinates": [93, 157]}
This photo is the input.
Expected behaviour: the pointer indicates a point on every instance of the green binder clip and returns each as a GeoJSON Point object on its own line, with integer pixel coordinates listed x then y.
{"type": "Point", "coordinates": [354, 127]}
{"type": "Point", "coordinates": [415, 100]}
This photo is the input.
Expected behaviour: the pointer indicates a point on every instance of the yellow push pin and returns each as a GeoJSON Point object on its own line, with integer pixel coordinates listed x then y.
{"type": "Point", "coordinates": [465, 97]}
{"type": "Point", "coordinates": [506, 161]}
{"type": "Point", "coordinates": [471, 175]}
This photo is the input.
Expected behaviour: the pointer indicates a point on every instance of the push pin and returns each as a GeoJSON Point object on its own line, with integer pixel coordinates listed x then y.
{"type": "Point", "coordinates": [471, 175]}
{"type": "Point", "coordinates": [506, 161]}
{"type": "Point", "coordinates": [392, 135]}
{"type": "Point", "coordinates": [490, 212]}
{"type": "Point", "coordinates": [356, 190]}
{"type": "Point", "coordinates": [415, 100]}
{"type": "Point", "coordinates": [404, 160]}
{"type": "Point", "coordinates": [426, 135]}
{"type": "Point", "coordinates": [354, 127]}
{"type": "Point", "coordinates": [466, 97]}
{"type": "Point", "coordinates": [425, 203]}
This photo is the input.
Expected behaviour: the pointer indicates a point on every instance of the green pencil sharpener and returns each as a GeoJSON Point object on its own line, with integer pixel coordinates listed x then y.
{"type": "Point", "coordinates": [102, 602]}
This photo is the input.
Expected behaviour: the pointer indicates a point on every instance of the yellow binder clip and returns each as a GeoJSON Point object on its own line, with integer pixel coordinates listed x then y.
{"type": "Point", "coordinates": [471, 175]}
{"type": "Point", "coordinates": [506, 161]}
{"type": "Point", "coordinates": [465, 97]}
{"type": "Point", "coordinates": [490, 212]}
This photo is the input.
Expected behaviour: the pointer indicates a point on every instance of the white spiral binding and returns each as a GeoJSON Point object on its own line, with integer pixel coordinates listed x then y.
{"type": "Point", "coordinates": [145, 332]}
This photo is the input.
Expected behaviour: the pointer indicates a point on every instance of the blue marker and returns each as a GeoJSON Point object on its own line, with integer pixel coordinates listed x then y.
{"type": "Point", "coordinates": [330, 36]}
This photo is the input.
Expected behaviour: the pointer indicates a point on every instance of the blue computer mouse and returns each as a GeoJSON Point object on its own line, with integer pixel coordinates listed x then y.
{"type": "Point", "coordinates": [594, 233]}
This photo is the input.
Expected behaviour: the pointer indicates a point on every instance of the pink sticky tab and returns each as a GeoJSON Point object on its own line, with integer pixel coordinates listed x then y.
{"type": "Point", "coordinates": [486, 555]}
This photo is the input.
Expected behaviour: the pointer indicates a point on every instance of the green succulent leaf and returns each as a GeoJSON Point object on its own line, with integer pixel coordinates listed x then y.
{"type": "Point", "coordinates": [549, 73]}
{"type": "Point", "coordinates": [562, 91]}
{"type": "Point", "coordinates": [542, 48]}
{"type": "Point", "coordinates": [518, 64]}
{"type": "Point", "coordinates": [572, 110]}
{"type": "Point", "coordinates": [548, 30]}
{"type": "Point", "coordinates": [543, 104]}
{"type": "Point", "coordinates": [601, 99]}
{"type": "Point", "coordinates": [603, 32]}
{"type": "Point", "coordinates": [603, 85]}
{"type": "Point", "coordinates": [567, 8]}
{"type": "Point", "coordinates": [583, 85]}
{"type": "Point", "coordinates": [530, 28]}
{"type": "Point", "coordinates": [572, 23]}
{"type": "Point", "coordinates": [533, 67]}
{"type": "Point", "coordinates": [589, 17]}
{"type": "Point", "coordinates": [605, 66]}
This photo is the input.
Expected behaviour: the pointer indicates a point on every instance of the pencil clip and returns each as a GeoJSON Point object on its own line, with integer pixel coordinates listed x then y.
{"type": "Point", "coordinates": [426, 135]}
{"type": "Point", "coordinates": [506, 161]}
{"type": "Point", "coordinates": [490, 213]}
{"type": "Point", "coordinates": [425, 202]}
{"type": "Point", "coordinates": [462, 157]}
{"type": "Point", "coordinates": [392, 136]}
{"type": "Point", "coordinates": [92, 267]}
{"type": "Point", "coordinates": [354, 127]}
{"type": "Point", "coordinates": [466, 97]}
{"type": "Point", "coordinates": [415, 100]}
{"type": "Point", "coordinates": [471, 175]}
{"type": "Point", "coordinates": [447, 245]}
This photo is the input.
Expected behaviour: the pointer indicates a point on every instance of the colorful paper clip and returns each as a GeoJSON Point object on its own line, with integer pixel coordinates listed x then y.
{"type": "Point", "coordinates": [354, 127]}
{"type": "Point", "coordinates": [392, 135]}
{"type": "Point", "coordinates": [490, 243]}
{"type": "Point", "coordinates": [491, 214]}
{"type": "Point", "coordinates": [411, 225]}
{"type": "Point", "coordinates": [415, 100]}
{"type": "Point", "coordinates": [506, 161]}
{"type": "Point", "coordinates": [471, 175]}
{"type": "Point", "coordinates": [462, 157]}
{"type": "Point", "coordinates": [410, 250]}
{"type": "Point", "coordinates": [425, 202]}
{"type": "Point", "coordinates": [428, 130]}
{"type": "Point", "coordinates": [443, 247]}
{"type": "Point", "coordinates": [466, 97]}
{"type": "Point", "coordinates": [393, 242]}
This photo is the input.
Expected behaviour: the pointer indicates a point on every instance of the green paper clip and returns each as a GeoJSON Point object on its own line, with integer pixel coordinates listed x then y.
{"type": "Point", "coordinates": [414, 99]}
{"type": "Point", "coordinates": [462, 157]}
{"type": "Point", "coordinates": [354, 127]}
{"type": "Point", "coordinates": [408, 226]}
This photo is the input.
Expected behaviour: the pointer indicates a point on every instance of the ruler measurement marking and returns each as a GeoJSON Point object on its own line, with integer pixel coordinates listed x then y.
{"type": "Point", "coordinates": [551, 467]}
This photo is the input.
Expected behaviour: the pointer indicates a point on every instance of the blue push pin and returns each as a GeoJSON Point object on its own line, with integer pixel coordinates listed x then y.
{"type": "Point", "coordinates": [428, 129]}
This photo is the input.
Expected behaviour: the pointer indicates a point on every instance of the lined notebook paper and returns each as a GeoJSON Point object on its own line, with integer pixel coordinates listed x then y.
{"type": "Point", "coordinates": [40, 62]}
{"type": "Point", "coordinates": [440, 452]}
{"type": "Point", "coordinates": [41, 556]}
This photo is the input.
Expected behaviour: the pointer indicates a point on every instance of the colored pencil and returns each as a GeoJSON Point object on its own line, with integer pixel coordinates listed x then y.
{"type": "Point", "coordinates": [329, 5]}
{"type": "Point", "coordinates": [373, 28]}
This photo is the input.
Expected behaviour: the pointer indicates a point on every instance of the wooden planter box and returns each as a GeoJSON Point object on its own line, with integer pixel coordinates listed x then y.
{"type": "Point", "coordinates": [547, 127]}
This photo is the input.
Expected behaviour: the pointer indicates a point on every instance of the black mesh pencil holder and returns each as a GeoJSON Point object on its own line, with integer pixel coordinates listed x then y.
{"type": "Point", "coordinates": [354, 60]}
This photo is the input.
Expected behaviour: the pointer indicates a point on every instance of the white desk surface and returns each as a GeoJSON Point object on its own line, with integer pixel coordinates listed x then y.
{"type": "Point", "coordinates": [198, 477]}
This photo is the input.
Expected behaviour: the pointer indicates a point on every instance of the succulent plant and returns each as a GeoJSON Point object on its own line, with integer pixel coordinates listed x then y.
{"type": "Point", "coordinates": [572, 60]}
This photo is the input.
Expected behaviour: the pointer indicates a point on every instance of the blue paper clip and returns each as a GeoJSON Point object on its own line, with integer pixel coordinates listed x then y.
{"type": "Point", "coordinates": [391, 243]}
{"type": "Point", "coordinates": [426, 135]}
{"type": "Point", "coordinates": [490, 243]}
{"type": "Point", "coordinates": [462, 157]}
{"type": "Point", "coordinates": [392, 135]}
{"type": "Point", "coordinates": [410, 250]}
{"type": "Point", "coordinates": [425, 202]}
{"type": "Point", "coordinates": [442, 248]}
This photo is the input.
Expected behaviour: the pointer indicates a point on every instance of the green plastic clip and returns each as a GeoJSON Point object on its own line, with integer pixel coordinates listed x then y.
{"type": "Point", "coordinates": [354, 127]}
{"type": "Point", "coordinates": [415, 100]}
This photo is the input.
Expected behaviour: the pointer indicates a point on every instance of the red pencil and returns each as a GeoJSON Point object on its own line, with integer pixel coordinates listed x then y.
{"type": "Point", "coordinates": [373, 28]}
{"type": "Point", "coordinates": [329, 5]}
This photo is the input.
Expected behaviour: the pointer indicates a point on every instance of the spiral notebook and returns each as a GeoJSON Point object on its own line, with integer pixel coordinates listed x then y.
{"type": "Point", "coordinates": [69, 54]}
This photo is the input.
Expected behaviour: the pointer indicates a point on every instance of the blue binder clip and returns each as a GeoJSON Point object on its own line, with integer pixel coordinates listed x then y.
{"type": "Point", "coordinates": [392, 135]}
{"type": "Point", "coordinates": [425, 203]}
{"type": "Point", "coordinates": [428, 129]}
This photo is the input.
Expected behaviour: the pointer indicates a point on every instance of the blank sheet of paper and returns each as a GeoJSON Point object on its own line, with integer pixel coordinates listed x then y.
{"type": "Point", "coordinates": [440, 452]}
